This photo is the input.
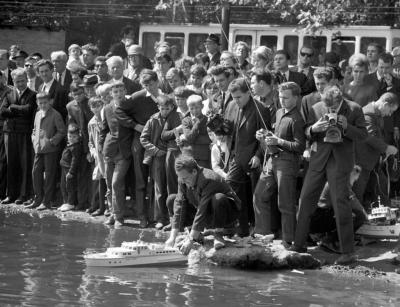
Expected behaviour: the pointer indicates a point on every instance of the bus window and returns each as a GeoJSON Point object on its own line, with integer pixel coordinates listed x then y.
{"type": "Point", "coordinates": [196, 43]}
{"type": "Point", "coordinates": [291, 45]}
{"type": "Point", "coordinates": [395, 42]}
{"type": "Point", "coordinates": [244, 38]}
{"type": "Point", "coordinates": [318, 44]}
{"type": "Point", "coordinates": [365, 41]}
{"type": "Point", "coordinates": [344, 46]}
{"type": "Point", "coordinates": [176, 41]}
{"type": "Point", "coordinates": [148, 41]}
{"type": "Point", "coordinates": [269, 41]}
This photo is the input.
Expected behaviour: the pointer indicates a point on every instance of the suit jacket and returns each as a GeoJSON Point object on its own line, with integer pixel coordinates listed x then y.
{"type": "Point", "coordinates": [301, 81]}
{"type": "Point", "coordinates": [215, 60]}
{"type": "Point", "coordinates": [243, 144]}
{"type": "Point", "coordinates": [18, 112]}
{"type": "Point", "coordinates": [59, 98]}
{"type": "Point", "coordinates": [131, 86]}
{"type": "Point", "coordinates": [309, 86]}
{"type": "Point", "coordinates": [369, 150]}
{"type": "Point", "coordinates": [208, 184]}
{"type": "Point", "coordinates": [307, 102]}
{"type": "Point", "coordinates": [150, 137]}
{"type": "Point", "coordinates": [197, 142]}
{"type": "Point", "coordinates": [80, 114]}
{"type": "Point", "coordinates": [67, 79]}
{"type": "Point", "coordinates": [48, 132]}
{"type": "Point", "coordinates": [343, 152]}
{"type": "Point", "coordinates": [114, 138]}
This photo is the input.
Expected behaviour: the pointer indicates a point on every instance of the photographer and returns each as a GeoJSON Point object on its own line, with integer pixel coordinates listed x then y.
{"type": "Point", "coordinates": [333, 126]}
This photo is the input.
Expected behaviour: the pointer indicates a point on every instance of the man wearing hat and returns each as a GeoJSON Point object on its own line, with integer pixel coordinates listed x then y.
{"type": "Point", "coordinates": [135, 61]}
{"type": "Point", "coordinates": [19, 58]}
{"type": "Point", "coordinates": [79, 113]}
{"type": "Point", "coordinates": [61, 73]}
{"type": "Point", "coordinates": [212, 48]}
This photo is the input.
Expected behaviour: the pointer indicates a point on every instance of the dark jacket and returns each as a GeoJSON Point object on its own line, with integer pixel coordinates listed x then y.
{"type": "Point", "coordinates": [131, 86]}
{"type": "Point", "coordinates": [215, 60]}
{"type": "Point", "coordinates": [197, 143]}
{"type": "Point", "coordinates": [151, 135]}
{"type": "Point", "coordinates": [71, 156]}
{"type": "Point", "coordinates": [344, 153]}
{"type": "Point", "coordinates": [59, 98]}
{"type": "Point", "coordinates": [18, 112]}
{"type": "Point", "coordinates": [48, 132]}
{"type": "Point", "coordinates": [168, 133]}
{"type": "Point", "coordinates": [369, 150]}
{"type": "Point", "coordinates": [208, 184]}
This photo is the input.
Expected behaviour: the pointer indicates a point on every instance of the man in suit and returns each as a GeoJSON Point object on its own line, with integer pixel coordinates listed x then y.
{"type": "Point", "coordinates": [89, 54]}
{"type": "Point", "coordinates": [6, 66]}
{"type": "Point", "coordinates": [116, 68]}
{"type": "Point", "coordinates": [18, 109]}
{"type": "Point", "coordinates": [246, 154]}
{"type": "Point", "coordinates": [223, 76]}
{"type": "Point", "coordinates": [281, 64]}
{"type": "Point", "coordinates": [383, 81]}
{"type": "Point", "coordinates": [370, 150]}
{"type": "Point", "coordinates": [61, 73]}
{"type": "Point", "coordinates": [332, 160]}
{"type": "Point", "coordinates": [58, 95]}
{"type": "Point", "coordinates": [115, 143]}
{"type": "Point", "coordinates": [34, 82]}
{"type": "Point", "coordinates": [101, 69]}
{"type": "Point", "coordinates": [204, 199]}
{"type": "Point", "coordinates": [304, 67]}
{"type": "Point", "coordinates": [212, 48]}
{"type": "Point", "coordinates": [133, 115]}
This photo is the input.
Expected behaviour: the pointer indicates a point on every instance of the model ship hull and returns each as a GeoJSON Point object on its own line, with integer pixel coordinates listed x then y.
{"type": "Point", "coordinates": [102, 260]}
{"type": "Point", "coordinates": [379, 231]}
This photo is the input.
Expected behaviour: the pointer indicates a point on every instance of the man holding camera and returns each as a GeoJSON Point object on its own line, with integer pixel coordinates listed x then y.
{"type": "Point", "coordinates": [333, 126]}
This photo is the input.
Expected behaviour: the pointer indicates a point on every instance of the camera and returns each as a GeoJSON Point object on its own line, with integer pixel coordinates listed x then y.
{"type": "Point", "coordinates": [333, 133]}
{"type": "Point", "coordinates": [220, 126]}
{"type": "Point", "coordinates": [331, 118]}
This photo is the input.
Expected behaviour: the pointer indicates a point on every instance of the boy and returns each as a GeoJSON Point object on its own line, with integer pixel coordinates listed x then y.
{"type": "Point", "coordinates": [69, 162]}
{"type": "Point", "coordinates": [48, 132]}
{"type": "Point", "coordinates": [181, 94]}
{"type": "Point", "coordinates": [99, 183]}
{"type": "Point", "coordinates": [157, 149]}
{"type": "Point", "coordinates": [196, 141]}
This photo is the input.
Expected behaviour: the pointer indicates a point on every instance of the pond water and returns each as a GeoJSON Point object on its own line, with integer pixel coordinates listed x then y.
{"type": "Point", "coordinates": [41, 264]}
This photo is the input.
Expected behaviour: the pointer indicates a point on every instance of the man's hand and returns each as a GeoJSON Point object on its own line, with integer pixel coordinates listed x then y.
{"type": "Point", "coordinates": [390, 150]}
{"type": "Point", "coordinates": [342, 121]}
{"type": "Point", "coordinates": [139, 128]}
{"type": "Point", "coordinates": [272, 140]}
{"type": "Point", "coordinates": [307, 154]}
{"type": "Point", "coordinates": [186, 246]}
{"type": "Point", "coordinates": [320, 126]}
{"type": "Point", "coordinates": [254, 162]}
{"type": "Point", "coordinates": [69, 176]}
{"type": "Point", "coordinates": [260, 135]}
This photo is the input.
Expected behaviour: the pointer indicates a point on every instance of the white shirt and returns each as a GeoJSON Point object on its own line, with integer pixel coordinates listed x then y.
{"type": "Point", "coordinates": [31, 83]}
{"type": "Point", "coordinates": [46, 86]}
{"type": "Point", "coordinates": [60, 78]}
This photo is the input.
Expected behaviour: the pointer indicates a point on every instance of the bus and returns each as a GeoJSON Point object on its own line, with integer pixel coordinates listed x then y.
{"type": "Point", "coordinates": [345, 41]}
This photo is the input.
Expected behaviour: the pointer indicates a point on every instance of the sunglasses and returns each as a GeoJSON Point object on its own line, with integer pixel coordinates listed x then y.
{"type": "Point", "coordinates": [309, 55]}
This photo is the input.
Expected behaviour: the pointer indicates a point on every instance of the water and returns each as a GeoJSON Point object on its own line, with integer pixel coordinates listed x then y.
{"type": "Point", "coordinates": [41, 264]}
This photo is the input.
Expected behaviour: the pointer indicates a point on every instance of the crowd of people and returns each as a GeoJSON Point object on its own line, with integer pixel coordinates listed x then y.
{"type": "Point", "coordinates": [236, 142]}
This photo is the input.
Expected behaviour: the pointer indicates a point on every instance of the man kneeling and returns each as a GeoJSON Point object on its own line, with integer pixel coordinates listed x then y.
{"type": "Point", "coordinates": [204, 199]}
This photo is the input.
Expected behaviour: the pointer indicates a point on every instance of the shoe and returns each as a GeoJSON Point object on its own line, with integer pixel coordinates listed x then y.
{"type": "Point", "coordinates": [28, 202]}
{"type": "Point", "coordinates": [7, 200]}
{"type": "Point", "coordinates": [32, 205]}
{"type": "Point", "coordinates": [143, 223]}
{"type": "Point", "coordinates": [110, 221]}
{"type": "Point", "coordinates": [346, 259]}
{"type": "Point", "coordinates": [19, 201]}
{"type": "Point", "coordinates": [66, 207]}
{"type": "Point", "coordinates": [98, 212]}
{"type": "Point", "coordinates": [107, 212]}
{"type": "Point", "coordinates": [118, 223]}
{"type": "Point", "coordinates": [219, 242]}
{"type": "Point", "coordinates": [159, 226]}
{"type": "Point", "coordinates": [298, 249]}
{"type": "Point", "coordinates": [42, 207]}
{"type": "Point", "coordinates": [90, 210]}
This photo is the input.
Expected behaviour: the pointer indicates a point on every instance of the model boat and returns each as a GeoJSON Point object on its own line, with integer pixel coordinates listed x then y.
{"type": "Point", "coordinates": [382, 223]}
{"type": "Point", "coordinates": [136, 253]}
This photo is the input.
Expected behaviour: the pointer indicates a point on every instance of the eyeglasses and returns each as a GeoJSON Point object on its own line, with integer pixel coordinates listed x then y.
{"type": "Point", "coordinates": [309, 55]}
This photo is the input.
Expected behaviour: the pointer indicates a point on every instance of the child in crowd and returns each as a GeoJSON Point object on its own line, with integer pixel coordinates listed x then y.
{"type": "Point", "coordinates": [48, 132]}
{"type": "Point", "coordinates": [74, 53]}
{"type": "Point", "coordinates": [197, 74]}
{"type": "Point", "coordinates": [181, 94]}
{"type": "Point", "coordinates": [99, 186]}
{"type": "Point", "coordinates": [210, 89]}
{"type": "Point", "coordinates": [69, 162]}
{"type": "Point", "coordinates": [195, 139]}
{"type": "Point", "coordinates": [175, 78]}
{"type": "Point", "coordinates": [219, 154]}
{"type": "Point", "coordinates": [156, 148]}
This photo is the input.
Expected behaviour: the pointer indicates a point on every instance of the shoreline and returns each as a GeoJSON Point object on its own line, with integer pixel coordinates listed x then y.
{"type": "Point", "coordinates": [374, 260]}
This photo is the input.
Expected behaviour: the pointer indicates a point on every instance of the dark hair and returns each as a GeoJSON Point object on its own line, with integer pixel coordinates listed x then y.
{"type": "Point", "coordinates": [263, 75]}
{"type": "Point", "coordinates": [209, 82]}
{"type": "Point", "coordinates": [74, 87]}
{"type": "Point", "coordinates": [203, 57]}
{"type": "Point", "coordinates": [198, 71]}
{"type": "Point", "coordinates": [92, 48]}
{"type": "Point", "coordinates": [42, 95]}
{"type": "Point", "coordinates": [187, 163]}
{"type": "Point", "coordinates": [44, 62]}
{"type": "Point", "coordinates": [163, 100]}
{"type": "Point", "coordinates": [218, 70]}
{"type": "Point", "coordinates": [323, 72]}
{"type": "Point", "coordinates": [308, 47]}
{"type": "Point", "coordinates": [101, 58]}
{"type": "Point", "coordinates": [95, 102]}
{"type": "Point", "coordinates": [386, 57]}
{"type": "Point", "coordinates": [284, 52]}
{"type": "Point", "coordinates": [147, 75]}
{"type": "Point", "coordinates": [166, 56]}
{"type": "Point", "coordinates": [175, 72]}
{"type": "Point", "coordinates": [183, 92]}
{"type": "Point", "coordinates": [238, 85]}
{"type": "Point", "coordinates": [377, 46]}
{"type": "Point", "coordinates": [37, 54]}
{"type": "Point", "coordinates": [292, 86]}
{"type": "Point", "coordinates": [126, 29]}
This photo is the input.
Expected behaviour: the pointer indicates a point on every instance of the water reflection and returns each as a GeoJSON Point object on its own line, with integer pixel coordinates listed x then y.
{"type": "Point", "coordinates": [41, 264]}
